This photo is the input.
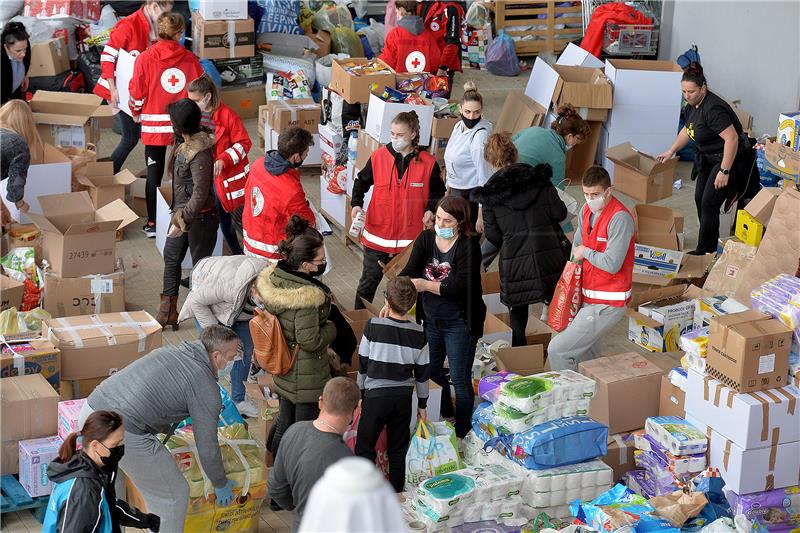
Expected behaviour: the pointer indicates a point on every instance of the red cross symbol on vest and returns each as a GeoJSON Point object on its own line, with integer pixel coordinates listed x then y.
{"type": "Point", "coordinates": [173, 80]}
{"type": "Point", "coordinates": [415, 62]}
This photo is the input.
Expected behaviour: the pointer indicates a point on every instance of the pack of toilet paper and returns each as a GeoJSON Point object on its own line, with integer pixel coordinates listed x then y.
{"type": "Point", "coordinates": [510, 511]}
{"type": "Point", "coordinates": [695, 342]}
{"type": "Point", "coordinates": [512, 420]}
{"type": "Point", "coordinates": [562, 485]}
{"type": "Point", "coordinates": [676, 435]}
{"type": "Point", "coordinates": [531, 393]}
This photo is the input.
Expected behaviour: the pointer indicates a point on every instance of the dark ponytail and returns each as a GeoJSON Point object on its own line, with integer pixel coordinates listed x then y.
{"type": "Point", "coordinates": [14, 32]}
{"type": "Point", "coordinates": [98, 426]}
{"type": "Point", "coordinates": [301, 242]}
{"type": "Point", "coordinates": [694, 73]}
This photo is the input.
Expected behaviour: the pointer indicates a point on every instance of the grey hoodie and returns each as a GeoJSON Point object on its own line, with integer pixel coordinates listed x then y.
{"type": "Point", "coordinates": [412, 23]}
{"type": "Point", "coordinates": [164, 387]}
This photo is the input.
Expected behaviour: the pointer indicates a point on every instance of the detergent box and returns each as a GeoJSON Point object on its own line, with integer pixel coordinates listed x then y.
{"type": "Point", "coordinates": [658, 325]}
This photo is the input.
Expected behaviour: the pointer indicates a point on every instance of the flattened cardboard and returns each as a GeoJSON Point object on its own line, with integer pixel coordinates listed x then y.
{"type": "Point", "coordinates": [639, 175]}
{"type": "Point", "coordinates": [628, 389]}
{"type": "Point", "coordinates": [211, 38]}
{"type": "Point", "coordinates": [522, 360]}
{"type": "Point", "coordinates": [86, 295]}
{"type": "Point", "coordinates": [762, 205]}
{"type": "Point", "coordinates": [29, 409]}
{"type": "Point", "coordinates": [98, 345]}
{"type": "Point", "coordinates": [11, 292]}
{"type": "Point", "coordinates": [103, 185]}
{"type": "Point", "coordinates": [357, 89]}
{"type": "Point", "coordinates": [49, 58]}
{"type": "Point", "coordinates": [519, 112]}
{"type": "Point", "coordinates": [672, 401]}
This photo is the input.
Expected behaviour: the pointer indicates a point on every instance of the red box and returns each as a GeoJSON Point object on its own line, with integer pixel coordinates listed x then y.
{"type": "Point", "coordinates": [80, 9]}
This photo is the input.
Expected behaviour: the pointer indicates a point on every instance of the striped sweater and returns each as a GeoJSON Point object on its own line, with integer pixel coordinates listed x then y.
{"type": "Point", "coordinates": [393, 354]}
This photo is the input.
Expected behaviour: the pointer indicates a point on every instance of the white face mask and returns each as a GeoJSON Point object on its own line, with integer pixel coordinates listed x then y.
{"type": "Point", "coordinates": [596, 204]}
{"type": "Point", "coordinates": [400, 144]}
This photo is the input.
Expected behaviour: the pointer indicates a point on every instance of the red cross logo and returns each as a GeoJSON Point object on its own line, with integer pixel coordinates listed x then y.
{"type": "Point", "coordinates": [415, 62]}
{"type": "Point", "coordinates": [173, 80]}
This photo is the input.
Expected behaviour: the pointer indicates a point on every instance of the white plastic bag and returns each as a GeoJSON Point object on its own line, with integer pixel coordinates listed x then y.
{"type": "Point", "coordinates": [433, 451]}
{"type": "Point", "coordinates": [478, 16]}
{"type": "Point", "coordinates": [323, 68]}
{"type": "Point", "coordinates": [375, 34]}
{"type": "Point", "coordinates": [10, 8]}
{"type": "Point", "coordinates": [101, 30]}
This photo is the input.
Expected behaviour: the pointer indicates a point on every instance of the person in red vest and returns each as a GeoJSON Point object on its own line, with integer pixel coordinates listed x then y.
{"type": "Point", "coordinates": [444, 20]}
{"type": "Point", "coordinates": [133, 34]}
{"type": "Point", "coordinates": [161, 75]}
{"type": "Point", "coordinates": [406, 184]}
{"type": "Point", "coordinates": [274, 193]}
{"type": "Point", "coordinates": [604, 242]}
{"type": "Point", "coordinates": [231, 164]}
{"type": "Point", "coordinates": [411, 47]}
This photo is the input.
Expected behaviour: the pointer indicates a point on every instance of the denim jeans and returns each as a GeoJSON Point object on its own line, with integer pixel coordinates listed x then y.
{"type": "Point", "coordinates": [241, 369]}
{"type": "Point", "coordinates": [228, 227]}
{"type": "Point", "coordinates": [452, 339]}
{"type": "Point", "coordinates": [131, 132]}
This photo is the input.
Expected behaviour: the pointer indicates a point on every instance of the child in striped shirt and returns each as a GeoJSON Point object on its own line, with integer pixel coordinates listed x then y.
{"type": "Point", "coordinates": [393, 359]}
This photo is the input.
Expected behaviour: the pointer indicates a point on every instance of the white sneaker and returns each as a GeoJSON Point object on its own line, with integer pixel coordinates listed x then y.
{"type": "Point", "coordinates": [247, 409]}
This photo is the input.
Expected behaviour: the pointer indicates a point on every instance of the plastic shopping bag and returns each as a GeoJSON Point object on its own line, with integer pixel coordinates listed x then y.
{"type": "Point", "coordinates": [501, 56]}
{"type": "Point", "coordinates": [381, 450]}
{"type": "Point", "coordinates": [433, 451]}
{"type": "Point", "coordinates": [567, 298]}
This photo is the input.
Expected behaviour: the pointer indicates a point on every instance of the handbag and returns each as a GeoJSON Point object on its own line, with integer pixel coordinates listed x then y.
{"type": "Point", "coordinates": [269, 345]}
{"type": "Point", "coordinates": [433, 451]}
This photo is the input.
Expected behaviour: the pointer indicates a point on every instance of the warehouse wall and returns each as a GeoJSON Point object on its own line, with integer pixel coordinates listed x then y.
{"type": "Point", "coordinates": [750, 50]}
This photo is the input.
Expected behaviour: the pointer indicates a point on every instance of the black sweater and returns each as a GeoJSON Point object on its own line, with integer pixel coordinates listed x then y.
{"type": "Point", "coordinates": [465, 286]}
{"type": "Point", "coordinates": [6, 75]}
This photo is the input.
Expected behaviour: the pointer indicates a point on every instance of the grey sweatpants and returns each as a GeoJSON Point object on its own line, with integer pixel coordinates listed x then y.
{"type": "Point", "coordinates": [583, 338]}
{"type": "Point", "coordinates": [153, 471]}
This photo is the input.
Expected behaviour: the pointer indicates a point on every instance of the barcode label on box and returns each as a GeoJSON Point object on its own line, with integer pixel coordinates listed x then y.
{"type": "Point", "coordinates": [102, 286]}
{"type": "Point", "coordinates": [766, 364]}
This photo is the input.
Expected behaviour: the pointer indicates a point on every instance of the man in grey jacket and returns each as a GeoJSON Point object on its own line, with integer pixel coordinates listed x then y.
{"type": "Point", "coordinates": [153, 394]}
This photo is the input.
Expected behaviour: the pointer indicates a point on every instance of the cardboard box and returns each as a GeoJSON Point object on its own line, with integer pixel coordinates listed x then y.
{"type": "Point", "coordinates": [587, 89]}
{"type": "Point", "coordinates": [576, 56]}
{"type": "Point", "coordinates": [70, 119]}
{"type": "Point", "coordinates": [748, 229]}
{"type": "Point", "coordinates": [11, 292]}
{"type": "Point", "coordinates": [749, 351]}
{"type": "Point", "coordinates": [782, 160]}
{"type": "Point", "coordinates": [789, 130]}
{"type": "Point", "coordinates": [620, 456]}
{"type": "Point", "coordinates": [163, 217]}
{"type": "Point", "coordinates": [495, 330]}
{"type": "Point", "coordinates": [323, 41]}
{"type": "Point", "coordinates": [79, 240]}
{"type": "Point", "coordinates": [79, 388]}
{"type": "Point", "coordinates": [299, 46]}
{"type": "Point", "coordinates": [29, 408]}
{"type": "Point", "coordinates": [37, 356]}
{"type": "Point", "coordinates": [330, 140]}
{"type": "Point", "coordinates": [212, 39]}
{"type": "Point", "coordinates": [283, 114]}
{"type": "Point", "coordinates": [519, 112]}
{"type": "Point", "coordinates": [98, 345]}
{"type": "Point", "coordinates": [750, 420]}
{"type": "Point", "coordinates": [245, 101]}
{"type": "Point", "coordinates": [220, 9]}
{"type": "Point", "coordinates": [754, 470]}
{"type": "Point", "coordinates": [658, 325]}
{"type": "Point", "coordinates": [381, 113]}
{"type": "Point", "coordinates": [138, 200]}
{"type": "Point", "coordinates": [490, 287]}
{"type": "Point", "coordinates": [103, 185]}
{"type": "Point", "coordinates": [68, 413]}
{"type": "Point", "coordinates": [357, 89]}
{"type": "Point", "coordinates": [652, 261]}
{"type": "Point", "coordinates": [672, 400]}
{"type": "Point", "coordinates": [762, 205]}
{"type": "Point", "coordinates": [584, 155]}
{"type": "Point", "coordinates": [49, 58]}
{"type": "Point", "coordinates": [628, 387]}
{"type": "Point", "coordinates": [656, 226]}
{"type": "Point", "coordinates": [366, 146]}
{"type": "Point", "coordinates": [87, 295]}
{"type": "Point", "coordinates": [522, 360]}
{"type": "Point", "coordinates": [241, 72]}
{"type": "Point", "coordinates": [333, 206]}
{"type": "Point", "coordinates": [443, 127]}
{"type": "Point", "coordinates": [437, 149]}
{"type": "Point", "coordinates": [639, 175]}
{"type": "Point", "coordinates": [536, 331]}
{"type": "Point", "coordinates": [34, 458]}
{"type": "Point", "coordinates": [51, 175]}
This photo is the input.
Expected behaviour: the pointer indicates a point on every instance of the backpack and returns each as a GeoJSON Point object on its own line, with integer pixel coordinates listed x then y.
{"type": "Point", "coordinates": [269, 345]}
{"type": "Point", "coordinates": [71, 81]}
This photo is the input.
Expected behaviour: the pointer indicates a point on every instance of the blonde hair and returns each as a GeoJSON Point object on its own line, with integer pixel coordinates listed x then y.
{"type": "Point", "coordinates": [471, 94]}
{"type": "Point", "coordinates": [205, 85]}
{"type": "Point", "coordinates": [170, 25]}
{"type": "Point", "coordinates": [16, 115]}
{"type": "Point", "coordinates": [500, 150]}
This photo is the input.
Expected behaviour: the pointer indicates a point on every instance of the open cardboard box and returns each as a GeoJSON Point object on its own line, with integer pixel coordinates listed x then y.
{"type": "Point", "coordinates": [522, 360]}
{"type": "Point", "coordinates": [640, 175]}
{"type": "Point", "coordinates": [381, 113]}
{"type": "Point", "coordinates": [103, 185]}
{"type": "Point", "coordinates": [660, 316]}
{"type": "Point", "coordinates": [575, 56]}
{"type": "Point", "coordinates": [357, 89]}
{"type": "Point", "coordinates": [657, 246]}
{"type": "Point", "coordinates": [70, 119]}
{"type": "Point", "coordinates": [78, 239]}
{"type": "Point", "coordinates": [490, 287]}
{"type": "Point", "coordinates": [519, 112]}
{"type": "Point", "coordinates": [50, 175]}
{"type": "Point", "coordinates": [495, 330]}
{"type": "Point", "coordinates": [536, 331]}
{"type": "Point", "coordinates": [11, 292]}
{"type": "Point", "coordinates": [587, 89]}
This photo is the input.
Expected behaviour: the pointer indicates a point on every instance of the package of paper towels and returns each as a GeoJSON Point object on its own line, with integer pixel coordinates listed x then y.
{"type": "Point", "coordinates": [529, 393]}
{"type": "Point", "coordinates": [512, 420]}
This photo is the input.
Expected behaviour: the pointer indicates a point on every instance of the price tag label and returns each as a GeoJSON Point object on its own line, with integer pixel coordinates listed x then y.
{"type": "Point", "coordinates": [102, 286]}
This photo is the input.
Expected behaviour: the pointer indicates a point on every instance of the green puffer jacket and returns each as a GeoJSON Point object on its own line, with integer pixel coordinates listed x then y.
{"type": "Point", "coordinates": [302, 309]}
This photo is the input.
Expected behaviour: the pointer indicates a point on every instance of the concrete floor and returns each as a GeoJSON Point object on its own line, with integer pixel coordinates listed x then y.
{"type": "Point", "coordinates": [144, 266]}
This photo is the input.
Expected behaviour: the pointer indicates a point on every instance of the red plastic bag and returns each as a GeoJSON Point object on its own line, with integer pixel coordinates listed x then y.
{"type": "Point", "coordinates": [382, 455]}
{"type": "Point", "coordinates": [567, 298]}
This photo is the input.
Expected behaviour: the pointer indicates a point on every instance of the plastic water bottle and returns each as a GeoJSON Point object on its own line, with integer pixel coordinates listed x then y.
{"type": "Point", "coordinates": [352, 148]}
{"type": "Point", "coordinates": [358, 224]}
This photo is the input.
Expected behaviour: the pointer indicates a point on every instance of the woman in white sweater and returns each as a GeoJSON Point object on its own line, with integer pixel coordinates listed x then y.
{"type": "Point", "coordinates": [466, 167]}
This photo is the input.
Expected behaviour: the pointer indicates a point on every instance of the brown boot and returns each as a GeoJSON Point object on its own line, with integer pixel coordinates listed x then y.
{"type": "Point", "coordinates": [168, 312]}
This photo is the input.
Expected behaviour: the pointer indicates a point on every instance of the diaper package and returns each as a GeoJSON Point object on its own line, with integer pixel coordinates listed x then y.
{"type": "Point", "coordinates": [676, 435]}
{"type": "Point", "coordinates": [777, 509]}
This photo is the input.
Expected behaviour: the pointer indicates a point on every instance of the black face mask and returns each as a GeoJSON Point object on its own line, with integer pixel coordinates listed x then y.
{"type": "Point", "coordinates": [298, 165]}
{"type": "Point", "coordinates": [114, 458]}
{"type": "Point", "coordinates": [320, 270]}
{"type": "Point", "coordinates": [470, 122]}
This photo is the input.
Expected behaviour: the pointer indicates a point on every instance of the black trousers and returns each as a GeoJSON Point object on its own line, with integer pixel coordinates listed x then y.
{"type": "Point", "coordinates": [518, 316]}
{"type": "Point", "coordinates": [473, 206]}
{"type": "Point", "coordinates": [344, 345]}
{"type": "Point", "coordinates": [131, 133]}
{"type": "Point", "coordinates": [199, 240]}
{"type": "Point", "coordinates": [394, 413]}
{"type": "Point", "coordinates": [155, 158]}
{"type": "Point", "coordinates": [288, 414]}
{"type": "Point", "coordinates": [371, 275]}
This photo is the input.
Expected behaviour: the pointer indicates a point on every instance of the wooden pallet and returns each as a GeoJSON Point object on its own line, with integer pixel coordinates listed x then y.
{"type": "Point", "coordinates": [13, 497]}
{"type": "Point", "coordinates": [511, 13]}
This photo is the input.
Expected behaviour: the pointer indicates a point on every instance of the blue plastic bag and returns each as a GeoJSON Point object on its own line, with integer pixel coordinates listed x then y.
{"type": "Point", "coordinates": [620, 507]}
{"type": "Point", "coordinates": [229, 414]}
{"type": "Point", "coordinates": [211, 69]}
{"type": "Point", "coordinates": [280, 16]}
{"type": "Point", "coordinates": [501, 56]}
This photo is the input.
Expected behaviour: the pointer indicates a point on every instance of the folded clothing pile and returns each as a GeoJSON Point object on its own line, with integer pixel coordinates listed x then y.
{"type": "Point", "coordinates": [676, 435]}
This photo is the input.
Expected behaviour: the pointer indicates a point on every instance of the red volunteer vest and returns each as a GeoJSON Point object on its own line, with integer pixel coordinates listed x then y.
{"type": "Point", "coordinates": [415, 53]}
{"type": "Point", "coordinates": [599, 286]}
{"type": "Point", "coordinates": [394, 216]}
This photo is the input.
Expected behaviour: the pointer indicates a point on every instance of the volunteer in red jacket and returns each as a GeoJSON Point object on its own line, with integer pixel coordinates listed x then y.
{"type": "Point", "coordinates": [231, 164]}
{"type": "Point", "coordinates": [133, 34]}
{"type": "Point", "coordinates": [444, 20]}
{"type": "Point", "coordinates": [406, 185]}
{"type": "Point", "coordinates": [604, 242]}
{"type": "Point", "coordinates": [411, 47]}
{"type": "Point", "coordinates": [160, 77]}
{"type": "Point", "coordinates": [274, 193]}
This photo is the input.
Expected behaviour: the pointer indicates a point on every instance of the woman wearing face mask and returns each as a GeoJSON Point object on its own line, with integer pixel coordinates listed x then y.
{"type": "Point", "coordinates": [538, 146]}
{"type": "Point", "coordinates": [194, 222]}
{"type": "Point", "coordinates": [84, 498]}
{"type": "Point", "coordinates": [15, 60]}
{"type": "Point", "coordinates": [406, 184]}
{"type": "Point", "coordinates": [463, 158]}
{"type": "Point", "coordinates": [133, 34]}
{"type": "Point", "coordinates": [231, 165]}
{"type": "Point", "coordinates": [445, 266]}
{"type": "Point", "coordinates": [522, 211]}
{"type": "Point", "coordinates": [291, 291]}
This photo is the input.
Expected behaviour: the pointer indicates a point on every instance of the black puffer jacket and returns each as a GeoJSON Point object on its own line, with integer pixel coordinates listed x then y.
{"type": "Point", "coordinates": [521, 212]}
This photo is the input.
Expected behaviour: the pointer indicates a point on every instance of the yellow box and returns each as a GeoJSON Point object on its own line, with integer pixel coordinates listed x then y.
{"type": "Point", "coordinates": [748, 229]}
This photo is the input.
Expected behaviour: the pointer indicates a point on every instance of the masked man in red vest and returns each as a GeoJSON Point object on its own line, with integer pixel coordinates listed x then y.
{"type": "Point", "coordinates": [604, 242]}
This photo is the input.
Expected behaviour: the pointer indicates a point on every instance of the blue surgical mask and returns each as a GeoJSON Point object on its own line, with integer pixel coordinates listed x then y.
{"type": "Point", "coordinates": [445, 233]}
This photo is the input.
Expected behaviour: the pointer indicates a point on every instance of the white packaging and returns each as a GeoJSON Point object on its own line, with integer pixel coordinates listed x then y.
{"type": "Point", "coordinates": [330, 140]}
{"type": "Point", "coordinates": [333, 206]}
{"type": "Point", "coordinates": [514, 421]}
{"type": "Point", "coordinates": [381, 113]}
{"type": "Point", "coordinates": [163, 217]}
{"type": "Point", "coordinates": [749, 420]}
{"type": "Point", "coordinates": [563, 485]}
{"type": "Point", "coordinates": [476, 485]}
{"type": "Point", "coordinates": [220, 9]}
{"type": "Point", "coordinates": [676, 435]}
{"type": "Point", "coordinates": [754, 470]}
{"type": "Point", "coordinates": [314, 158]}
{"type": "Point", "coordinates": [52, 177]}
{"type": "Point", "coordinates": [563, 386]}
{"type": "Point", "coordinates": [696, 363]}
